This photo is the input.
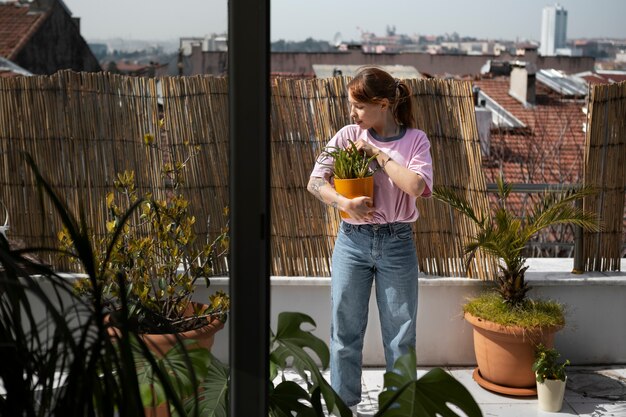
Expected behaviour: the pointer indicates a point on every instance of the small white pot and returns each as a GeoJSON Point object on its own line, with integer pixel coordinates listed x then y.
{"type": "Point", "coordinates": [550, 394]}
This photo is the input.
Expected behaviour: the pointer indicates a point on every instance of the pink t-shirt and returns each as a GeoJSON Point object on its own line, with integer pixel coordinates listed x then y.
{"type": "Point", "coordinates": [410, 148]}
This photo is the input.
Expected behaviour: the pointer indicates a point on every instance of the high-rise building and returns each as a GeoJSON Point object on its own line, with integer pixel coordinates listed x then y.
{"type": "Point", "coordinates": [553, 30]}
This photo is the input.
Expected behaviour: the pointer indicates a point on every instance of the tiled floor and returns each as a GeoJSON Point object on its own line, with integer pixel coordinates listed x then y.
{"type": "Point", "coordinates": [590, 392]}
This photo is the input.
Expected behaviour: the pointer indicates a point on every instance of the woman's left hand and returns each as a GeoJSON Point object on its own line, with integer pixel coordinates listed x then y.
{"type": "Point", "coordinates": [367, 147]}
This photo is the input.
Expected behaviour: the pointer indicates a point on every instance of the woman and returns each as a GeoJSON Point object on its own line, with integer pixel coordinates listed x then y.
{"type": "Point", "coordinates": [376, 243]}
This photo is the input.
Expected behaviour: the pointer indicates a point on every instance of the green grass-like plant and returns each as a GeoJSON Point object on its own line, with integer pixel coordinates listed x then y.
{"type": "Point", "coordinates": [348, 162]}
{"type": "Point", "coordinates": [529, 314]}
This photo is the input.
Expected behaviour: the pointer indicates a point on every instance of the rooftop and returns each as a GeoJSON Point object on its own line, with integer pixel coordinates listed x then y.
{"type": "Point", "coordinates": [17, 23]}
{"type": "Point", "coordinates": [549, 146]}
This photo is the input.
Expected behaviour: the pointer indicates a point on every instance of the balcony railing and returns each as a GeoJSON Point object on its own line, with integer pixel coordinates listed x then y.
{"type": "Point", "coordinates": [577, 244]}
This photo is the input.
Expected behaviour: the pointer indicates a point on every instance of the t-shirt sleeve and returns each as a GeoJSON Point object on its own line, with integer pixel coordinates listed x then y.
{"type": "Point", "coordinates": [421, 163]}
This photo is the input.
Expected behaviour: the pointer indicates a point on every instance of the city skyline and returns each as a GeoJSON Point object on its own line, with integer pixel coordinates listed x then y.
{"type": "Point", "coordinates": [166, 20]}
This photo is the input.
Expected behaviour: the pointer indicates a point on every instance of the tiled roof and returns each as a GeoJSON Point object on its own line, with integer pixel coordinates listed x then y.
{"type": "Point", "coordinates": [603, 77]}
{"type": "Point", "coordinates": [549, 150]}
{"type": "Point", "coordinates": [17, 25]}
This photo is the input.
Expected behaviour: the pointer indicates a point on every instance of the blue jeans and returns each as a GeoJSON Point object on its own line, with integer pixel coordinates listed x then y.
{"type": "Point", "coordinates": [362, 253]}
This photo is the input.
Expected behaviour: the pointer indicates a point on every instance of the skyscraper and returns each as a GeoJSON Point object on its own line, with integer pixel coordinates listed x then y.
{"type": "Point", "coordinates": [553, 29]}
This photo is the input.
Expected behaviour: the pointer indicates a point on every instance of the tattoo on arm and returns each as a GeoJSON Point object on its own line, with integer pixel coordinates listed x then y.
{"type": "Point", "coordinates": [334, 204]}
{"type": "Point", "coordinates": [316, 184]}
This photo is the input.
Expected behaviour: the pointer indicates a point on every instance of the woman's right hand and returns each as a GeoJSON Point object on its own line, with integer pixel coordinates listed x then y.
{"type": "Point", "coordinates": [359, 208]}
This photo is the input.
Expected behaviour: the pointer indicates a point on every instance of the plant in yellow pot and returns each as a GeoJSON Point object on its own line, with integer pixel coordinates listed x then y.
{"type": "Point", "coordinates": [353, 175]}
{"type": "Point", "coordinates": [507, 324]}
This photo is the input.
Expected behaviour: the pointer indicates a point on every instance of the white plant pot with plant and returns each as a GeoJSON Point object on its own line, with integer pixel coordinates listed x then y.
{"type": "Point", "coordinates": [551, 379]}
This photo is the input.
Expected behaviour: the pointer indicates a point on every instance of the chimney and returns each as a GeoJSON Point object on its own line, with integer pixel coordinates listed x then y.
{"type": "Point", "coordinates": [483, 122]}
{"type": "Point", "coordinates": [522, 87]}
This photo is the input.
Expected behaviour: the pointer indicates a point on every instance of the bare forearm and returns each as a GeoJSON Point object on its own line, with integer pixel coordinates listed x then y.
{"type": "Point", "coordinates": [405, 179]}
{"type": "Point", "coordinates": [324, 192]}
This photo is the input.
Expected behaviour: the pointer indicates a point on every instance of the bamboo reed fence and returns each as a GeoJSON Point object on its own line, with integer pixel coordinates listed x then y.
{"type": "Point", "coordinates": [605, 170]}
{"type": "Point", "coordinates": [307, 113]}
{"type": "Point", "coordinates": [83, 129]}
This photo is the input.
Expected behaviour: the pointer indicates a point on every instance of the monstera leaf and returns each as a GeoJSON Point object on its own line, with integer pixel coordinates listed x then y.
{"type": "Point", "coordinates": [406, 396]}
{"type": "Point", "coordinates": [288, 349]}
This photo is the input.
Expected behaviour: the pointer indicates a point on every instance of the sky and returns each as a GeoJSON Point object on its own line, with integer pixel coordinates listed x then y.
{"type": "Point", "coordinates": [298, 20]}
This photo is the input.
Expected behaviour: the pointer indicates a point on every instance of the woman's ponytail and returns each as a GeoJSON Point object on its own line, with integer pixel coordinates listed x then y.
{"type": "Point", "coordinates": [403, 107]}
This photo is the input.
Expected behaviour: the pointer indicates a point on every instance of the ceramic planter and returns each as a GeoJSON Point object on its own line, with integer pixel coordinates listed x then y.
{"type": "Point", "coordinates": [160, 344]}
{"type": "Point", "coordinates": [550, 394]}
{"type": "Point", "coordinates": [505, 355]}
{"type": "Point", "coordinates": [354, 187]}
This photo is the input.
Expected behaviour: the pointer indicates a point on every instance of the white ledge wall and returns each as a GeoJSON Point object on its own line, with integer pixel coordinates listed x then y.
{"type": "Point", "coordinates": [595, 330]}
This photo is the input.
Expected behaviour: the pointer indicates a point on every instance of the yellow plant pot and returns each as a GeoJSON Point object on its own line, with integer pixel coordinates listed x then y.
{"type": "Point", "coordinates": [355, 187]}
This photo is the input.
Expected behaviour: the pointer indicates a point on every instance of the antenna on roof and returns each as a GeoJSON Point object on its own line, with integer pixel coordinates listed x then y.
{"type": "Point", "coordinates": [337, 39]}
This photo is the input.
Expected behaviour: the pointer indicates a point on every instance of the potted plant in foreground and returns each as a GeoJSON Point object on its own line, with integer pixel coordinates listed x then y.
{"type": "Point", "coordinates": [59, 359]}
{"type": "Point", "coordinates": [150, 254]}
{"type": "Point", "coordinates": [353, 176]}
{"type": "Point", "coordinates": [551, 378]}
{"type": "Point", "coordinates": [508, 324]}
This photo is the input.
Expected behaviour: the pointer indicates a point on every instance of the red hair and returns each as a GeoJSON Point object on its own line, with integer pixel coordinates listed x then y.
{"type": "Point", "coordinates": [372, 85]}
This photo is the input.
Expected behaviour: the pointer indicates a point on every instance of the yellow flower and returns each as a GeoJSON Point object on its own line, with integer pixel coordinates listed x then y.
{"type": "Point", "coordinates": [111, 226]}
{"type": "Point", "coordinates": [109, 199]}
{"type": "Point", "coordinates": [148, 138]}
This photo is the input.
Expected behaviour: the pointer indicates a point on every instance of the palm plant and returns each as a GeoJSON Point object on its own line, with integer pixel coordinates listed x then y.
{"type": "Point", "coordinates": [505, 236]}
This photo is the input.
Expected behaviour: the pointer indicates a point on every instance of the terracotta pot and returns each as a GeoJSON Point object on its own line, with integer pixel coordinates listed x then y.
{"type": "Point", "coordinates": [505, 355]}
{"type": "Point", "coordinates": [550, 394]}
{"type": "Point", "coordinates": [160, 344]}
{"type": "Point", "coordinates": [355, 187]}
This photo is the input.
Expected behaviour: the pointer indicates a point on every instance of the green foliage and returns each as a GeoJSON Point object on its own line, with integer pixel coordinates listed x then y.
{"type": "Point", "coordinates": [412, 397]}
{"type": "Point", "coordinates": [183, 365]}
{"type": "Point", "coordinates": [348, 163]}
{"type": "Point", "coordinates": [529, 314]}
{"type": "Point", "coordinates": [505, 236]}
{"type": "Point", "coordinates": [105, 376]}
{"type": "Point", "coordinates": [63, 362]}
{"type": "Point", "coordinates": [430, 395]}
{"type": "Point", "coordinates": [155, 249]}
{"type": "Point", "coordinates": [547, 366]}
{"type": "Point", "coordinates": [287, 347]}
